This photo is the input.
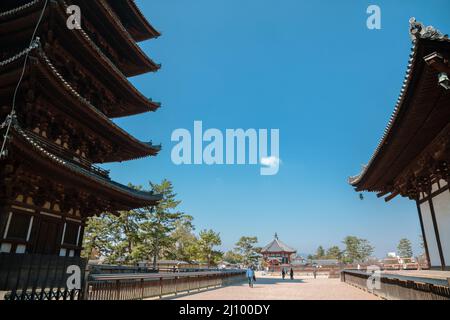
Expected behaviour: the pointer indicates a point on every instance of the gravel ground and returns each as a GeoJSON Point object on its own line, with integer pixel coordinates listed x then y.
{"type": "Point", "coordinates": [274, 288]}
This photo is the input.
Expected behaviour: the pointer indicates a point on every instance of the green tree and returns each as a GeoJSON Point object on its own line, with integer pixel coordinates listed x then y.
{"type": "Point", "coordinates": [320, 253]}
{"type": "Point", "coordinates": [233, 257]}
{"type": "Point", "coordinates": [208, 239]}
{"type": "Point", "coordinates": [365, 249]}
{"type": "Point", "coordinates": [160, 222]}
{"type": "Point", "coordinates": [356, 249]}
{"type": "Point", "coordinates": [404, 248]}
{"type": "Point", "coordinates": [247, 249]}
{"type": "Point", "coordinates": [125, 230]}
{"type": "Point", "coordinates": [96, 241]}
{"type": "Point", "coordinates": [334, 253]}
{"type": "Point", "coordinates": [136, 234]}
{"type": "Point", "coordinates": [113, 237]}
{"type": "Point", "coordinates": [184, 241]}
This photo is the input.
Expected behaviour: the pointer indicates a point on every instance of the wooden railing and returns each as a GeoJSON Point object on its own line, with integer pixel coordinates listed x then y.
{"type": "Point", "coordinates": [41, 277]}
{"type": "Point", "coordinates": [145, 286]}
{"type": "Point", "coordinates": [68, 155]}
{"type": "Point", "coordinates": [38, 277]}
{"type": "Point", "coordinates": [400, 287]}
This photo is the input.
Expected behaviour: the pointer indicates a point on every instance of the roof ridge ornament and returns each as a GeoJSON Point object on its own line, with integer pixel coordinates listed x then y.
{"type": "Point", "coordinates": [418, 30]}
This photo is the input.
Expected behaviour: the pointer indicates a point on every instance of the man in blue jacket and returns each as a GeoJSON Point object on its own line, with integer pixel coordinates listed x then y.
{"type": "Point", "coordinates": [250, 276]}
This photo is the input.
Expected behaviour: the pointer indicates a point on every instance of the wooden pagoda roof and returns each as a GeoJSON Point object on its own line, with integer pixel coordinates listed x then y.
{"type": "Point", "coordinates": [57, 88]}
{"type": "Point", "coordinates": [133, 19]}
{"type": "Point", "coordinates": [421, 114]}
{"type": "Point", "coordinates": [132, 61]}
{"type": "Point", "coordinates": [71, 174]}
{"type": "Point", "coordinates": [21, 20]}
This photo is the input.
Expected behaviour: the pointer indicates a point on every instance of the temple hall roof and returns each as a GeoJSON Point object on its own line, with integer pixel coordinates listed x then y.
{"type": "Point", "coordinates": [277, 246]}
{"type": "Point", "coordinates": [419, 115]}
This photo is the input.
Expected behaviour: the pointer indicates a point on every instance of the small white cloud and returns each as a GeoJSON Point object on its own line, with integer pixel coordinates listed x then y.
{"type": "Point", "coordinates": [271, 162]}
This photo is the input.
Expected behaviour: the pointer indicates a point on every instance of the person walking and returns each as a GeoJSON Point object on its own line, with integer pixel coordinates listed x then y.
{"type": "Point", "coordinates": [292, 274]}
{"type": "Point", "coordinates": [283, 273]}
{"type": "Point", "coordinates": [250, 276]}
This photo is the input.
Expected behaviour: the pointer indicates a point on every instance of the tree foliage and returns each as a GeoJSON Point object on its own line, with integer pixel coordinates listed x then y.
{"type": "Point", "coordinates": [320, 252]}
{"type": "Point", "coordinates": [246, 247]}
{"type": "Point", "coordinates": [184, 241]}
{"type": "Point", "coordinates": [331, 253]}
{"type": "Point", "coordinates": [356, 249]}
{"type": "Point", "coordinates": [160, 221]}
{"type": "Point", "coordinates": [207, 241]}
{"type": "Point", "coordinates": [232, 257]}
{"type": "Point", "coordinates": [404, 248]}
{"type": "Point", "coordinates": [135, 235]}
{"type": "Point", "coordinates": [334, 253]}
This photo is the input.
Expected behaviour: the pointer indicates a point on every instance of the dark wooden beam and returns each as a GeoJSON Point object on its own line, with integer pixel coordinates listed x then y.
{"type": "Point", "coordinates": [382, 194]}
{"type": "Point", "coordinates": [437, 62]}
{"type": "Point", "coordinates": [391, 196]}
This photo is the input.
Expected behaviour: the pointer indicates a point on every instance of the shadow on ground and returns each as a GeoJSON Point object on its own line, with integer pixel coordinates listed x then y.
{"type": "Point", "coordinates": [271, 281]}
{"type": "Point", "coordinates": [258, 284]}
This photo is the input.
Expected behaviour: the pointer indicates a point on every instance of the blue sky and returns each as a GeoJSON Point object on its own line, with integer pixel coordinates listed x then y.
{"type": "Point", "coordinates": [309, 68]}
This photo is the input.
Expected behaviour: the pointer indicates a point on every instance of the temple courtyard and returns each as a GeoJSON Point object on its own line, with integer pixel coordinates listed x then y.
{"type": "Point", "coordinates": [274, 288]}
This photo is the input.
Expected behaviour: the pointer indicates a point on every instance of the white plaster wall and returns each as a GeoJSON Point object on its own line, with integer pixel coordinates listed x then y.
{"type": "Point", "coordinates": [430, 235]}
{"type": "Point", "coordinates": [441, 205]}
{"type": "Point", "coordinates": [434, 187]}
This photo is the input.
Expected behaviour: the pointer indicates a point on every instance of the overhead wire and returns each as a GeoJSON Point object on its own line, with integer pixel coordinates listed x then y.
{"type": "Point", "coordinates": [10, 116]}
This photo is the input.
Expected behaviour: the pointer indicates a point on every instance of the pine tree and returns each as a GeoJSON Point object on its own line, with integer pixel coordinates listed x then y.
{"type": "Point", "coordinates": [160, 221]}
{"type": "Point", "coordinates": [404, 248]}
{"type": "Point", "coordinates": [136, 235]}
{"type": "Point", "coordinates": [320, 253]}
{"type": "Point", "coordinates": [247, 249]}
{"type": "Point", "coordinates": [208, 239]}
{"type": "Point", "coordinates": [334, 253]}
{"type": "Point", "coordinates": [356, 249]}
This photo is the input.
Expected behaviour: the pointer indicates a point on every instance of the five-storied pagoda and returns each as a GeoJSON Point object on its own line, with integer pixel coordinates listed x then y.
{"type": "Point", "coordinates": [74, 83]}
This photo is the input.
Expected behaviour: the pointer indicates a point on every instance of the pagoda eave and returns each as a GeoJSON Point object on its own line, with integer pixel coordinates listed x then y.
{"type": "Point", "coordinates": [73, 175]}
{"type": "Point", "coordinates": [57, 88]}
{"type": "Point", "coordinates": [103, 68]}
{"type": "Point", "coordinates": [133, 60]}
{"type": "Point", "coordinates": [133, 19]}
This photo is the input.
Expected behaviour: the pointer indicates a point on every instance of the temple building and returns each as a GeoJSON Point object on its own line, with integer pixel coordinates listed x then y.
{"type": "Point", "coordinates": [412, 158]}
{"type": "Point", "coordinates": [74, 83]}
{"type": "Point", "coordinates": [277, 253]}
